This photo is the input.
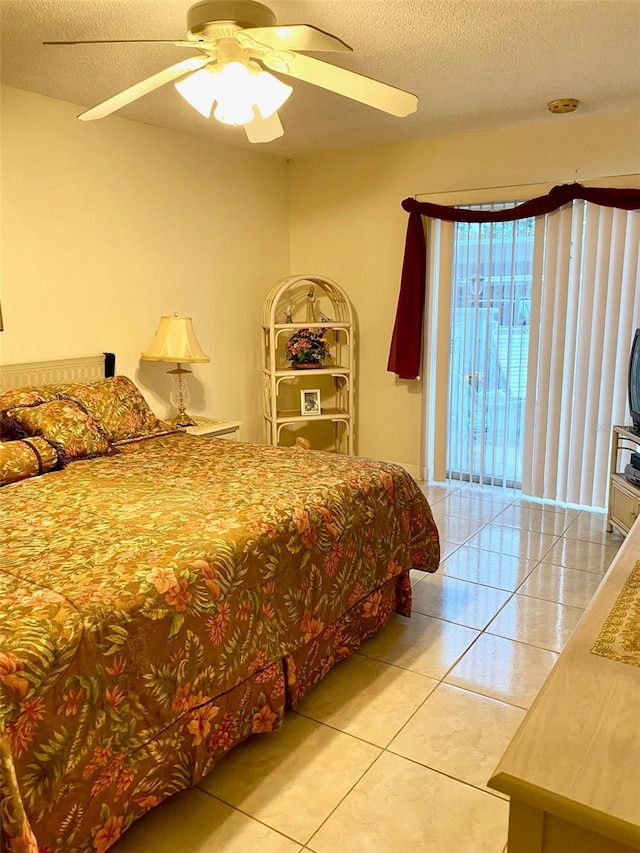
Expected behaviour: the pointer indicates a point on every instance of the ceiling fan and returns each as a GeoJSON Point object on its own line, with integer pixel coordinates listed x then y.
{"type": "Point", "coordinates": [237, 40]}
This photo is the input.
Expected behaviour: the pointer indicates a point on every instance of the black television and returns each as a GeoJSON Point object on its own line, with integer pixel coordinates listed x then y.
{"type": "Point", "coordinates": [634, 382]}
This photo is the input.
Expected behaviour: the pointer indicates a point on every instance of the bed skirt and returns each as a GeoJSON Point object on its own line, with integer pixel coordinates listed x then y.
{"type": "Point", "coordinates": [189, 748]}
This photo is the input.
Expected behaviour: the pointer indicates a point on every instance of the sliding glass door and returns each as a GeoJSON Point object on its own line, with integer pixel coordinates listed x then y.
{"type": "Point", "coordinates": [490, 315]}
{"type": "Point", "coordinates": [531, 324]}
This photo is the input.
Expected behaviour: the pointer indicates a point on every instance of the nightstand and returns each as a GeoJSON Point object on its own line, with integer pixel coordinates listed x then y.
{"type": "Point", "coordinates": [213, 428]}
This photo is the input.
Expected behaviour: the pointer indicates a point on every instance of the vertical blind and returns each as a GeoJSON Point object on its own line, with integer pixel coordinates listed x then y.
{"type": "Point", "coordinates": [585, 308]}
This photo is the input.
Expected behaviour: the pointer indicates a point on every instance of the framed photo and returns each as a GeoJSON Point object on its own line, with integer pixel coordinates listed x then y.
{"type": "Point", "coordinates": [310, 402]}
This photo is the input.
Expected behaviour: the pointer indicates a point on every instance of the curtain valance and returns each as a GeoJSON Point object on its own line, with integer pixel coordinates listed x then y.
{"type": "Point", "coordinates": [406, 342]}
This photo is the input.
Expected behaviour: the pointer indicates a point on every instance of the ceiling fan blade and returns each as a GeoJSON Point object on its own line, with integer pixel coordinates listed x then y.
{"type": "Point", "coordinates": [144, 87]}
{"type": "Point", "coordinates": [294, 37]}
{"type": "Point", "coordinates": [343, 82]}
{"type": "Point", "coordinates": [264, 129]}
{"type": "Point", "coordinates": [177, 42]}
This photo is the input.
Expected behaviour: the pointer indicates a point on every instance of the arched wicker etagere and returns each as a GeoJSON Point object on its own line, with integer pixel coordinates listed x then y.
{"type": "Point", "coordinates": [319, 304]}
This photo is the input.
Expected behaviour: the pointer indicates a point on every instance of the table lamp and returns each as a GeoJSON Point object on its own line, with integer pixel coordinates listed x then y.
{"type": "Point", "coordinates": [176, 341]}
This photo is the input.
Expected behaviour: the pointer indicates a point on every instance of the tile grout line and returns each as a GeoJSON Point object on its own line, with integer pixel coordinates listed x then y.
{"type": "Point", "coordinates": [246, 814]}
{"type": "Point", "coordinates": [337, 806]}
{"type": "Point", "coordinates": [384, 750]}
{"type": "Point", "coordinates": [448, 775]}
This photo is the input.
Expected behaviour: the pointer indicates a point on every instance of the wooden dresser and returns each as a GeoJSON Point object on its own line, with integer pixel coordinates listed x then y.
{"type": "Point", "coordinates": [572, 770]}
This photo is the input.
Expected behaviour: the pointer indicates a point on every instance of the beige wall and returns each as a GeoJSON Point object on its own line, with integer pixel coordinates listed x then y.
{"type": "Point", "coordinates": [108, 225]}
{"type": "Point", "coordinates": [346, 222]}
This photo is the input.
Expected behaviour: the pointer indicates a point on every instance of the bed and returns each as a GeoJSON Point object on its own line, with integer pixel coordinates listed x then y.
{"type": "Point", "coordinates": [168, 597]}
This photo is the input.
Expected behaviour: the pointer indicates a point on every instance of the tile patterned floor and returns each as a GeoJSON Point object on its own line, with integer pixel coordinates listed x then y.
{"type": "Point", "coordinates": [393, 749]}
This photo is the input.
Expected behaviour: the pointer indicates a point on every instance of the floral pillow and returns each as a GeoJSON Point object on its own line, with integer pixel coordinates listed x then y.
{"type": "Point", "coordinates": [117, 406]}
{"type": "Point", "coordinates": [64, 423]}
{"type": "Point", "coordinates": [27, 457]}
{"type": "Point", "coordinates": [27, 396]}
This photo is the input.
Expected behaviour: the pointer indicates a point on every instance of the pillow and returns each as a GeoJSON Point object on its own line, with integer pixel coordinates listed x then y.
{"type": "Point", "coordinates": [27, 396]}
{"type": "Point", "coordinates": [26, 458]}
{"type": "Point", "coordinates": [64, 423]}
{"type": "Point", "coordinates": [117, 406]}
{"type": "Point", "coordinates": [9, 430]}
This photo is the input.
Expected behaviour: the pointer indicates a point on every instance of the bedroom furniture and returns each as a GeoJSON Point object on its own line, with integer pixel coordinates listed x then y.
{"type": "Point", "coordinates": [215, 428]}
{"type": "Point", "coordinates": [319, 304]}
{"type": "Point", "coordinates": [176, 341]}
{"type": "Point", "coordinates": [571, 770]}
{"type": "Point", "coordinates": [165, 600]}
{"type": "Point", "coordinates": [624, 497]}
{"type": "Point", "coordinates": [87, 369]}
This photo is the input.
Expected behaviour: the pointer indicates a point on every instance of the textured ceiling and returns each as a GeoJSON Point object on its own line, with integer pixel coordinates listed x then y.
{"type": "Point", "coordinates": [474, 64]}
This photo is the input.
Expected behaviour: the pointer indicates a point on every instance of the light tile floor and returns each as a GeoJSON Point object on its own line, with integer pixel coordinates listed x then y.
{"type": "Point", "coordinates": [392, 751]}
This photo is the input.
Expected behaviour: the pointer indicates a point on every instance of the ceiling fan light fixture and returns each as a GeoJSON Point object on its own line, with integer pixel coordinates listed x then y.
{"type": "Point", "coordinates": [237, 87]}
{"type": "Point", "coordinates": [200, 90]}
{"type": "Point", "coordinates": [235, 94]}
{"type": "Point", "coordinates": [236, 79]}
{"type": "Point", "coordinates": [270, 93]}
{"type": "Point", "coordinates": [236, 41]}
{"type": "Point", "coordinates": [234, 112]}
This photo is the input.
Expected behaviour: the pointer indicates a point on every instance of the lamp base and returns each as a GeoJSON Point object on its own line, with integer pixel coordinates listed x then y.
{"type": "Point", "coordinates": [182, 419]}
{"type": "Point", "coordinates": [180, 397]}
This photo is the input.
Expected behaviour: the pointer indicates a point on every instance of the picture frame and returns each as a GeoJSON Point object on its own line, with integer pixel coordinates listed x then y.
{"type": "Point", "coordinates": [310, 403]}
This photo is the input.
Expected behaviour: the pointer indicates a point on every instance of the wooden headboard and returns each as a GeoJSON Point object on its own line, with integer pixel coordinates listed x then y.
{"type": "Point", "coordinates": [87, 369]}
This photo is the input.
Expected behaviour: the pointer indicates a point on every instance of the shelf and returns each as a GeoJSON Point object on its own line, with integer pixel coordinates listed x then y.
{"type": "Point", "coordinates": [624, 497]}
{"type": "Point", "coordinates": [622, 480]}
{"type": "Point", "coordinates": [619, 481]}
{"type": "Point", "coordinates": [309, 296]}
{"type": "Point", "coordinates": [627, 433]}
{"type": "Point", "coordinates": [293, 326]}
{"type": "Point", "coordinates": [294, 416]}
{"type": "Point", "coordinates": [312, 371]}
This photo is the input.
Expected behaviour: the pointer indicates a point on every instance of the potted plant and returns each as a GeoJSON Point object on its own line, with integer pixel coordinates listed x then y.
{"type": "Point", "coordinates": [307, 348]}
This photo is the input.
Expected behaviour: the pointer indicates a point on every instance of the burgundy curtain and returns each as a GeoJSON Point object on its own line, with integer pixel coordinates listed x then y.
{"type": "Point", "coordinates": [406, 343]}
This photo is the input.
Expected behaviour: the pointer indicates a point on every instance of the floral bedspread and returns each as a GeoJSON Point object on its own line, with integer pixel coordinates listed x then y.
{"type": "Point", "coordinates": [147, 602]}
